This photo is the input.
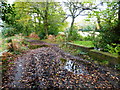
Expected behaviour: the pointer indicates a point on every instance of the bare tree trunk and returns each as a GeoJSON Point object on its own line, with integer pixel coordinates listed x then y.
{"type": "Point", "coordinates": [39, 21]}
{"type": "Point", "coordinates": [117, 28]}
{"type": "Point", "coordinates": [46, 19]}
{"type": "Point", "coordinates": [34, 23]}
{"type": "Point", "coordinates": [119, 11]}
{"type": "Point", "coordinates": [71, 26]}
{"type": "Point", "coordinates": [98, 21]}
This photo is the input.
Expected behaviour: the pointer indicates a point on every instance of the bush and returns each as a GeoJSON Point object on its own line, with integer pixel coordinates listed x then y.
{"type": "Point", "coordinates": [42, 35]}
{"type": "Point", "coordinates": [113, 49]}
{"type": "Point", "coordinates": [109, 34]}
{"type": "Point", "coordinates": [60, 38]}
{"type": "Point", "coordinates": [97, 42]}
{"type": "Point", "coordinates": [88, 38]}
{"type": "Point", "coordinates": [7, 32]}
{"type": "Point", "coordinates": [75, 35]}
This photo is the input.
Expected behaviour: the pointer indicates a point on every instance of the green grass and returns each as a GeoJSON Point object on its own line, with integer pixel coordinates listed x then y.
{"type": "Point", "coordinates": [84, 43]}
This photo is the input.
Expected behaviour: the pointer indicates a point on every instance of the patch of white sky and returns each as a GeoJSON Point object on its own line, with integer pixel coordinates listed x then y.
{"type": "Point", "coordinates": [79, 20]}
{"type": "Point", "coordinates": [10, 1]}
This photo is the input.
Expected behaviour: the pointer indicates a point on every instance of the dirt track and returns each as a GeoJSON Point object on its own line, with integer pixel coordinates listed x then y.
{"type": "Point", "coordinates": [45, 67]}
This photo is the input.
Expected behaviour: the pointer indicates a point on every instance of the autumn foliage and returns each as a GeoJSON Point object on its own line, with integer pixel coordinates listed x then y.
{"type": "Point", "coordinates": [34, 36]}
{"type": "Point", "coordinates": [51, 37]}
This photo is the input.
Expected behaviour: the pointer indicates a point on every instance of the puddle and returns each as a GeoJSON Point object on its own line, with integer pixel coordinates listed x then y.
{"type": "Point", "coordinates": [75, 67]}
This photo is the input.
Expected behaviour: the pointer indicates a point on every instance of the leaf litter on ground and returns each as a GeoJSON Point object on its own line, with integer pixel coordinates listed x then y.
{"type": "Point", "coordinates": [43, 68]}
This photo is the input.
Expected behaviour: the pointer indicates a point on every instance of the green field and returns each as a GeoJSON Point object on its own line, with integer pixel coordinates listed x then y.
{"type": "Point", "coordinates": [84, 43]}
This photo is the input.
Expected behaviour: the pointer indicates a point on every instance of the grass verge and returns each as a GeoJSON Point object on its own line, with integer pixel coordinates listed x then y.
{"type": "Point", "coordinates": [84, 43]}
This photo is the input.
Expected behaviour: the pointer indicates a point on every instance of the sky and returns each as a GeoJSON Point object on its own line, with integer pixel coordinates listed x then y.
{"type": "Point", "coordinates": [10, 1]}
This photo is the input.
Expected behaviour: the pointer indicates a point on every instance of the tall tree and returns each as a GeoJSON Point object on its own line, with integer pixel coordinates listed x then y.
{"type": "Point", "coordinates": [119, 11]}
{"type": "Point", "coordinates": [109, 23]}
{"type": "Point", "coordinates": [76, 9]}
{"type": "Point", "coordinates": [44, 17]}
{"type": "Point", "coordinates": [8, 13]}
{"type": "Point", "coordinates": [50, 13]}
{"type": "Point", "coordinates": [42, 9]}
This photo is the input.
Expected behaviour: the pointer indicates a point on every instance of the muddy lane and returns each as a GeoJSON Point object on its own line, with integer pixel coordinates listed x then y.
{"type": "Point", "coordinates": [50, 67]}
{"type": "Point", "coordinates": [18, 73]}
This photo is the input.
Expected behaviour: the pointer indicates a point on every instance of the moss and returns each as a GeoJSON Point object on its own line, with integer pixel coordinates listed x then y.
{"type": "Point", "coordinates": [63, 60]}
{"type": "Point", "coordinates": [82, 48]}
{"type": "Point", "coordinates": [104, 53]}
{"type": "Point", "coordinates": [104, 62]}
{"type": "Point", "coordinates": [104, 58]}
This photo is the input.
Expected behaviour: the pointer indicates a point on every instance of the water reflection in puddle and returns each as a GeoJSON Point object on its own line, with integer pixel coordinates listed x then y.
{"type": "Point", "coordinates": [75, 67]}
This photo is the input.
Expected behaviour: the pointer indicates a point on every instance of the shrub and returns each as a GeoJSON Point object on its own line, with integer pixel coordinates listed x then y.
{"type": "Point", "coordinates": [75, 35]}
{"type": "Point", "coordinates": [114, 49]}
{"type": "Point", "coordinates": [97, 42]}
{"type": "Point", "coordinates": [109, 34]}
{"type": "Point", "coordinates": [88, 38]}
{"type": "Point", "coordinates": [7, 32]}
{"type": "Point", "coordinates": [42, 35]}
{"type": "Point", "coordinates": [60, 38]}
